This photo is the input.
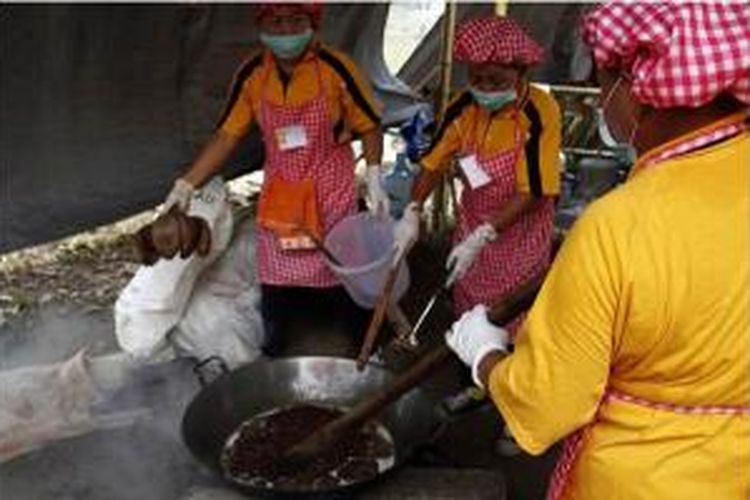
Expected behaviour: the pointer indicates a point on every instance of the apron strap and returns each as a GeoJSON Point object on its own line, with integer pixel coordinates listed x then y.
{"type": "Point", "coordinates": [574, 443]}
{"type": "Point", "coordinates": [614, 395]}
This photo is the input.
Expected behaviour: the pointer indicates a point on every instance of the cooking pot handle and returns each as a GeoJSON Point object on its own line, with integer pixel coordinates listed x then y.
{"type": "Point", "coordinates": [202, 367]}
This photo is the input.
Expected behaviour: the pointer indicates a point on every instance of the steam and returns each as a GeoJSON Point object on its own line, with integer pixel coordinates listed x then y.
{"type": "Point", "coordinates": [141, 456]}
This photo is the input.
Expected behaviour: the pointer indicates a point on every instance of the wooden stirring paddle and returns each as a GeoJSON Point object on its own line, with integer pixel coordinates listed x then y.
{"type": "Point", "coordinates": [334, 431]}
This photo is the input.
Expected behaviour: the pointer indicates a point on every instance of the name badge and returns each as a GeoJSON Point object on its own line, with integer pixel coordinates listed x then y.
{"type": "Point", "coordinates": [473, 172]}
{"type": "Point", "coordinates": [293, 243]}
{"type": "Point", "coordinates": [291, 137]}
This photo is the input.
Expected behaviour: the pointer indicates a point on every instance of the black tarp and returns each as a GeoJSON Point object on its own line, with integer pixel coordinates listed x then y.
{"type": "Point", "coordinates": [102, 106]}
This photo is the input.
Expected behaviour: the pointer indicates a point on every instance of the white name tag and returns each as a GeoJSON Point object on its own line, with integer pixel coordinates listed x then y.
{"type": "Point", "coordinates": [291, 137]}
{"type": "Point", "coordinates": [296, 243]}
{"type": "Point", "coordinates": [473, 172]}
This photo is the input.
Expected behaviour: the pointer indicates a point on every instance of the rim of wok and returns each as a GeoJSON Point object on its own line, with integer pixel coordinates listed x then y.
{"type": "Point", "coordinates": [373, 376]}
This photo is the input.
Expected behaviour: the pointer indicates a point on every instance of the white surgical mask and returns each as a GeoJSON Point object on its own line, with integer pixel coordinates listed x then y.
{"type": "Point", "coordinates": [605, 134]}
{"type": "Point", "coordinates": [624, 149]}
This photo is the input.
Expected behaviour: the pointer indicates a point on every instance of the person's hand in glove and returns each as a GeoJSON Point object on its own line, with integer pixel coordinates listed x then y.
{"type": "Point", "coordinates": [179, 196]}
{"type": "Point", "coordinates": [377, 199]}
{"type": "Point", "coordinates": [472, 337]}
{"type": "Point", "coordinates": [463, 254]}
{"type": "Point", "coordinates": [406, 231]}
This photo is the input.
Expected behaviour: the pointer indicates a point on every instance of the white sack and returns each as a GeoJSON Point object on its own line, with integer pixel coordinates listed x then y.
{"type": "Point", "coordinates": [155, 299]}
{"type": "Point", "coordinates": [222, 317]}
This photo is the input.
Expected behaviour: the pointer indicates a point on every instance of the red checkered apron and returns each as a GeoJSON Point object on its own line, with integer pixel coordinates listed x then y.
{"type": "Point", "coordinates": [574, 443]}
{"type": "Point", "coordinates": [520, 252]}
{"type": "Point", "coordinates": [331, 165]}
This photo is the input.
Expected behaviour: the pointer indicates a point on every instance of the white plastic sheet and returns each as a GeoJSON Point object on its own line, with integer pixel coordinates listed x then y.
{"type": "Point", "coordinates": [42, 403]}
{"type": "Point", "coordinates": [46, 403]}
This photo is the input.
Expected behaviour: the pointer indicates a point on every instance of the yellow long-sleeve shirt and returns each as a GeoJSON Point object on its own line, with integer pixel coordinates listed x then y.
{"type": "Point", "coordinates": [650, 296]}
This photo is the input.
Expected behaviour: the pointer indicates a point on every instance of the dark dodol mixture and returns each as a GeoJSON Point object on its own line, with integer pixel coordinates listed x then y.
{"type": "Point", "coordinates": [252, 454]}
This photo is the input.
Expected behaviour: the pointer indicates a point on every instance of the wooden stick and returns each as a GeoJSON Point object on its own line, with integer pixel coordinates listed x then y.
{"type": "Point", "coordinates": [378, 315]}
{"type": "Point", "coordinates": [334, 431]}
{"type": "Point", "coordinates": [516, 303]}
{"type": "Point", "coordinates": [320, 246]}
{"type": "Point", "coordinates": [338, 429]}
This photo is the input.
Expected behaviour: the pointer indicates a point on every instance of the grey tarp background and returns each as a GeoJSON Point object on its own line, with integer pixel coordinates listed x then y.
{"type": "Point", "coordinates": [101, 106]}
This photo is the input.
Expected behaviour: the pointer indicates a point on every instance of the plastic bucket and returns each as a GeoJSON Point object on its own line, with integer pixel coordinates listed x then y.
{"type": "Point", "coordinates": [363, 245]}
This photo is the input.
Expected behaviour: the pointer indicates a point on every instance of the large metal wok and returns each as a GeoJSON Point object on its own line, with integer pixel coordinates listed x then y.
{"type": "Point", "coordinates": [232, 398]}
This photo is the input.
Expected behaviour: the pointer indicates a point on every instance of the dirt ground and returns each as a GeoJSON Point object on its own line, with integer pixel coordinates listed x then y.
{"type": "Point", "coordinates": [85, 271]}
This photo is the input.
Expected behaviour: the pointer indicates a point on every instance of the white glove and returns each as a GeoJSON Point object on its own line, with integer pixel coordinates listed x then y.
{"type": "Point", "coordinates": [472, 337]}
{"type": "Point", "coordinates": [406, 231]}
{"type": "Point", "coordinates": [463, 254]}
{"type": "Point", "coordinates": [377, 199]}
{"type": "Point", "coordinates": [180, 195]}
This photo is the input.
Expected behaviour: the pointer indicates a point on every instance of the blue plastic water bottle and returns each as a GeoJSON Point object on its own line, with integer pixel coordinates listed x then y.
{"type": "Point", "coordinates": [398, 183]}
{"type": "Point", "coordinates": [415, 134]}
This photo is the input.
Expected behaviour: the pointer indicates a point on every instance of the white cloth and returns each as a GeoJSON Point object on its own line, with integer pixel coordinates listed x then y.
{"type": "Point", "coordinates": [180, 195]}
{"type": "Point", "coordinates": [406, 232]}
{"type": "Point", "coordinates": [472, 337]}
{"type": "Point", "coordinates": [462, 255]}
{"type": "Point", "coordinates": [377, 199]}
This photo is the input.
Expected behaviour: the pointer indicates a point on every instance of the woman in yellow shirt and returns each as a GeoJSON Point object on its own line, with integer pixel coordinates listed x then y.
{"type": "Point", "coordinates": [638, 346]}
{"type": "Point", "coordinates": [505, 134]}
{"type": "Point", "coordinates": [307, 99]}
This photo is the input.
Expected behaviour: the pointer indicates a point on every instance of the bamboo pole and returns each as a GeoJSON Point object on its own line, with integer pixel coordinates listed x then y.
{"type": "Point", "coordinates": [446, 56]}
{"type": "Point", "coordinates": [438, 219]}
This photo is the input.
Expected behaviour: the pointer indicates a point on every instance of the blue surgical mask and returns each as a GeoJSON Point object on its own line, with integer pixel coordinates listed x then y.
{"type": "Point", "coordinates": [493, 100]}
{"type": "Point", "coordinates": [287, 46]}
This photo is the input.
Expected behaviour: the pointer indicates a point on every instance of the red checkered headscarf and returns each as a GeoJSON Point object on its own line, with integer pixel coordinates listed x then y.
{"type": "Point", "coordinates": [679, 54]}
{"type": "Point", "coordinates": [495, 40]}
{"type": "Point", "coordinates": [312, 9]}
